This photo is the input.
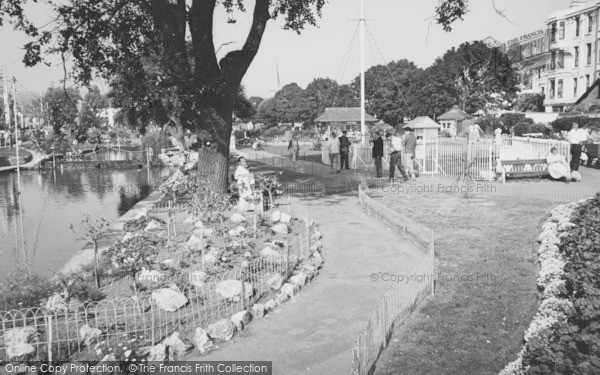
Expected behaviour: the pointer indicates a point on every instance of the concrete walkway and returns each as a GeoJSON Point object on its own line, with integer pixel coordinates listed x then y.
{"type": "Point", "coordinates": [314, 332]}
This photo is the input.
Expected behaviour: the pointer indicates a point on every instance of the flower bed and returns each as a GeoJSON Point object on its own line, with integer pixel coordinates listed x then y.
{"type": "Point", "coordinates": [564, 336]}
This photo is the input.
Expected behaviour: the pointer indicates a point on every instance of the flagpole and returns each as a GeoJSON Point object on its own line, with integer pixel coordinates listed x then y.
{"type": "Point", "coordinates": [363, 128]}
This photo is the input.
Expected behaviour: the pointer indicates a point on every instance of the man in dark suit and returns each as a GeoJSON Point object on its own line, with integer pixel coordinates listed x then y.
{"type": "Point", "coordinates": [344, 151]}
{"type": "Point", "coordinates": [378, 154]}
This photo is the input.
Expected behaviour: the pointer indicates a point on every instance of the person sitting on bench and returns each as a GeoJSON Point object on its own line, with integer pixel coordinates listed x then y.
{"type": "Point", "coordinates": [557, 166]}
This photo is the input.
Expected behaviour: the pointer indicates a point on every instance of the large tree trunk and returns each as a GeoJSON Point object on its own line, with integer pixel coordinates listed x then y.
{"type": "Point", "coordinates": [213, 138]}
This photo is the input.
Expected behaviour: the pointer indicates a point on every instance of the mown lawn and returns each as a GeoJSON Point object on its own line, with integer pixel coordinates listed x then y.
{"type": "Point", "coordinates": [473, 326]}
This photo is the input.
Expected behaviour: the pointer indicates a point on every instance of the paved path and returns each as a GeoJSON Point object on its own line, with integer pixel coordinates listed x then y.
{"type": "Point", "coordinates": [36, 158]}
{"type": "Point", "coordinates": [314, 332]}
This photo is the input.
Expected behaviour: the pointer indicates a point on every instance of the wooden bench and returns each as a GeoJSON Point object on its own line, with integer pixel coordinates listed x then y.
{"type": "Point", "coordinates": [522, 168]}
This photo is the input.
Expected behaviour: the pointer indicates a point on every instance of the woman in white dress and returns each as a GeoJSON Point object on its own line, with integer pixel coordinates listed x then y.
{"type": "Point", "coordinates": [474, 133]}
{"type": "Point", "coordinates": [245, 182]}
{"type": "Point", "coordinates": [498, 136]}
{"type": "Point", "coordinates": [557, 166]}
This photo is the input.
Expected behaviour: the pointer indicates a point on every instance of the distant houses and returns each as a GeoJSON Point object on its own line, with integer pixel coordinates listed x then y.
{"type": "Point", "coordinates": [454, 121]}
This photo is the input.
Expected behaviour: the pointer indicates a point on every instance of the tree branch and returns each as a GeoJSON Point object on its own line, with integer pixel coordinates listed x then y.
{"type": "Point", "coordinates": [201, 28]}
{"type": "Point", "coordinates": [235, 64]}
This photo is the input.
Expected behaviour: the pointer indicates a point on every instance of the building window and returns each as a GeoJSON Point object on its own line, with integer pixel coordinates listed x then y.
{"type": "Point", "coordinates": [561, 30]}
{"type": "Point", "coordinates": [552, 88]}
{"type": "Point", "coordinates": [577, 25]}
{"type": "Point", "coordinates": [589, 53]}
{"type": "Point", "coordinates": [559, 91]}
{"type": "Point", "coordinates": [561, 59]}
{"type": "Point", "coordinates": [590, 22]}
{"type": "Point", "coordinates": [553, 32]}
{"type": "Point", "coordinates": [552, 60]}
{"type": "Point", "coordinates": [575, 87]}
{"type": "Point", "coordinates": [587, 81]}
{"type": "Point", "coordinates": [557, 108]}
{"type": "Point", "coordinates": [576, 56]}
{"type": "Point", "coordinates": [543, 90]}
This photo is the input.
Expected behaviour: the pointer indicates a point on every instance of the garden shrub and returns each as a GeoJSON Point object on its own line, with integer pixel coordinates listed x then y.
{"type": "Point", "coordinates": [565, 123]}
{"type": "Point", "coordinates": [22, 290]}
{"type": "Point", "coordinates": [488, 123]}
{"type": "Point", "coordinates": [572, 345]}
{"type": "Point", "coordinates": [445, 134]}
{"type": "Point", "coordinates": [140, 224]}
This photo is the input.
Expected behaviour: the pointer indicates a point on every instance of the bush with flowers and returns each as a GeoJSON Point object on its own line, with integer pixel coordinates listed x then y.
{"type": "Point", "coordinates": [564, 336]}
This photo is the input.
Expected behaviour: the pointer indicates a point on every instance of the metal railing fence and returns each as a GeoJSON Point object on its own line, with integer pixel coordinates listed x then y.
{"type": "Point", "coordinates": [402, 298]}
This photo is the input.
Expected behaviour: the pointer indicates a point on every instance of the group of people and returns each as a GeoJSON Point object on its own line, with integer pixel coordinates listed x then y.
{"type": "Point", "coordinates": [557, 165]}
{"type": "Point", "coordinates": [402, 154]}
{"type": "Point", "coordinates": [338, 148]}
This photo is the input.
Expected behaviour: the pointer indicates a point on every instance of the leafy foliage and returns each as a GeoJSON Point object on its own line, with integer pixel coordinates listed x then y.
{"type": "Point", "coordinates": [139, 224]}
{"type": "Point", "coordinates": [573, 346]}
{"type": "Point", "coordinates": [565, 123]}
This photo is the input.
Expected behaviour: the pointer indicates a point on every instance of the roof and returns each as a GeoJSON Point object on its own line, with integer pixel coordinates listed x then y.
{"type": "Point", "coordinates": [343, 114]}
{"type": "Point", "coordinates": [588, 92]}
{"type": "Point", "coordinates": [422, 122]}
{"type": "Point", "coordinates": [455, 114]}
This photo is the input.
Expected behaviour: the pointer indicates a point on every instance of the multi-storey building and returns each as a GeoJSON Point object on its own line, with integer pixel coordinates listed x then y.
{"type": "Point", "coordinates": [561, 62]}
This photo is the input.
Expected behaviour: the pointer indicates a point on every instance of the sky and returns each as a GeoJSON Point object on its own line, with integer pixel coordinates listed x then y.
{"type": "Point", "coordinates": [401, 29]}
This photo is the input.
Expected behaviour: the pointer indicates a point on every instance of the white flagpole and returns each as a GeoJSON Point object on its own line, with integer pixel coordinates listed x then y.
{"type": "Point", "coordinates": [363, 128]}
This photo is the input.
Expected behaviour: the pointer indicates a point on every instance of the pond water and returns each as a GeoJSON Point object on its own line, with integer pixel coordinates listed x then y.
{"type": "Point", "coordinates": [53, 200]}
{"type": "Point", "coordinates": [115, 154]}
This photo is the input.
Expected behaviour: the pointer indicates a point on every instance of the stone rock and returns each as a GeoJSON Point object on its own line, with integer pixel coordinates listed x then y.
{"type": "Point", "coordinates": [197, 278]}
{"type": "Point", "coordinates": [248, 254]}
{"type": "Point", "coordinates": [153, 225]}
{"type": "Point", "coordinates": [281, 298]}
{"type": "Point", "coordinates": [194, 243]}
{"type": "Point", "coordinates": [237, 231]}
{"type": "Point", "coordinates": [89, 335]}
{"type": "Point", "coordinates": [189, 220]}
{"type": "Point", "coordinates": [317, 235]}
{"type": "Point", "coordinates": [285, 218]}
{"type": "Point", "coordinates": [222, 330]}
{"type": "Point", "coordinates": [237, 218]}
{"type": "Point", "coordinates": [289, 289]}
{"type": "Point", "coordinates": [212, 256]}
{"type": "Point", "coordinates": [316, 246]}
{"type": "Point", "coordinates": [270, 305]}
{"type": "Point", "coordinates": [57, 303]}
{"type": "Point", "coordinates": [271, 254]}
{"type": "Point", "coordinates": [17, 342]}
{"type": "Point", "coordinates": [199, 224]}
{"type": "Point", "coordinates": [151, 276]}
{"type": "Point", "coordinates": [258, 310]}
{"type": "Point", "coordinates": [109, 358]}
{"type": "Point", "coordinates": [276, 216]}
{"type": "Point", "coordinates": [202, 341]}
{"type": "Point", "coordinates": [168, 263]}
{"type": "Point", "coordinates": [232, 289]}
{"type": "Point", "coordinates": [275, 282]}
{"type": "Point", "coordinates": [280, 228]}
{"type": "Point", "coordinates": [299, 279]}
{"type": "Point", "coordinates": [157, 353]}
{"type": "Point", "coordinates": [176, 347]}
{"type": "Point", "coordinates": [241, 319]}
{"type": "Point", "coordinates": [169, 299]}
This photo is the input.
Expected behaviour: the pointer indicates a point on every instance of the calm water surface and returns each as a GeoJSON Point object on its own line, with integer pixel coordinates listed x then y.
{"type": "Point", "coordinates": [52, 201]}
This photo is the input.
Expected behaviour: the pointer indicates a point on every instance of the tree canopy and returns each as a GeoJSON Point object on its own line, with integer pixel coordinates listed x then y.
{"type": "Point", "coordinates": [169, 46]}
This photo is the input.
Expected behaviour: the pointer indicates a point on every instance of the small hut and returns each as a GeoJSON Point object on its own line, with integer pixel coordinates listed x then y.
{"type": "Point", "coordinates": [426, 131]}
{"type": "Point", "coordinates": [454, 121]}
{"type": "Point", "coordinates": [342, 118]}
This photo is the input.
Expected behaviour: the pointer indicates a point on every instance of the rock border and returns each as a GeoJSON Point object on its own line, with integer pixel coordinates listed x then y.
{"type": "Point", "coordinates": [550, 281]}
{"type": "Point", "coordinates": [205, 338]}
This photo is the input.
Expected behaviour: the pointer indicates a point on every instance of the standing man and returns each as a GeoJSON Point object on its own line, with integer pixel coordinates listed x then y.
{"type": "Point", "coordinates": [344, 150]}
{"type": "Point", "coordinates": [576, 137]}
{"type": "Point", "coordinates": [409, 144]}
{"type": "Point", "coordinates": [395, 159]}
{"type": "Point", "coordinates": [333, 148]}
{"type": "Point", "coordinates": [378, 154]}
